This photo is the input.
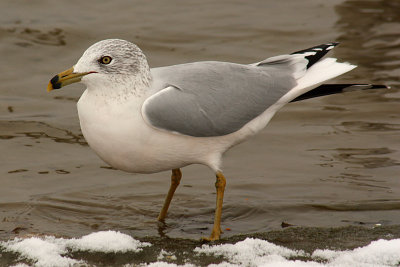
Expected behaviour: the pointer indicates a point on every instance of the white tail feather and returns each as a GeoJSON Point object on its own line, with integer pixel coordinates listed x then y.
{"type": "Point", "coordinates": [317, 74]}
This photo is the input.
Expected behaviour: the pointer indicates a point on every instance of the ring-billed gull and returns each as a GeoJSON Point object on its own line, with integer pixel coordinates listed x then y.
{"type": "Point", "coordinates": [146, 120]}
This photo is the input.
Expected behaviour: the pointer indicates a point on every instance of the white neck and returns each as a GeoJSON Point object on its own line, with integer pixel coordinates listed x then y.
{"type": "Point", "coordinates": [118, 88]}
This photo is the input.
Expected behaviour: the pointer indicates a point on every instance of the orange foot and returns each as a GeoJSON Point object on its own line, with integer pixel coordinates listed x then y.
{"type": "Point", "coordinates": [214, 235]}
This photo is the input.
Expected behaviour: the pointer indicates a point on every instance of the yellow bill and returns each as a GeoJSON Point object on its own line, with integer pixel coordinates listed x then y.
{"type": "Point", "coordinates": [64, 78]}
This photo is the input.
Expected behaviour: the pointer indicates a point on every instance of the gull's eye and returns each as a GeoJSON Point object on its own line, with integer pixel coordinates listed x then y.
{"type": "Point", "coordinates": [105, 60]}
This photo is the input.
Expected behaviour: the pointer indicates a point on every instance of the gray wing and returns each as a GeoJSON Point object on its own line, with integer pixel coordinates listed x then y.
{"type": "Point", "coordinates": [206, 99]}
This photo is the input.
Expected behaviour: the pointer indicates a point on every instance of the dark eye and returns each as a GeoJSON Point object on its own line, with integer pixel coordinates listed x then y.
{"type": "Point", "coordinates": [105, 60]}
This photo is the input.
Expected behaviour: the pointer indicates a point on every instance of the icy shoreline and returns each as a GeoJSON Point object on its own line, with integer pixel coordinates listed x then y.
{"type": "Point", "coordinates": [120, 249]}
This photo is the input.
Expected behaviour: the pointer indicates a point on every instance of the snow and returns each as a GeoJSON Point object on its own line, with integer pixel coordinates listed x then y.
{"type": "Point", "coordinates": [250, 252]}
{"type": "Point", "coordinates": [51, 251]}
{"type": "Point", "coordinates": [255, 252]}
{"type": "Point", "coordinates": [165, 254]}
{"type": "Point", "coordinates": [106, 241]}
{"type": "Point", "coordinates": [377, 253]}
{"type": "Point", "coordinates": [44, 252]}
{"type": "Point", "coordinates": [165, 264]}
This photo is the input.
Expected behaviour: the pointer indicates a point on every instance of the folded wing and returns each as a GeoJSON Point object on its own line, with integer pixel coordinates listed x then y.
{"type": "Point", "coordinates": [206, 99]}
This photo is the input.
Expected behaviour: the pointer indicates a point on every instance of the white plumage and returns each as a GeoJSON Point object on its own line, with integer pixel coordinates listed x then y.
{"type": "Point", "coordinates": [146, 120]}
{"type": "Point", "coordinates": [122, 136]}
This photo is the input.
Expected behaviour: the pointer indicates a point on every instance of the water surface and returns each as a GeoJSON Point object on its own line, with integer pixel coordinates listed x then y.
{"type": "Point", "coordinates": [326, 162]}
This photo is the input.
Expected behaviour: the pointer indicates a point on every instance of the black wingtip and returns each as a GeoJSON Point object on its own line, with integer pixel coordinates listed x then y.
{"type": "Point", "coordinates": [322, 47]}
{"type": "Point", "coordinates": [381, 86]}
{"type": "Point", "coordinates": [317, 52]}
{"type": "Point", "coordinates": [357, 87]}
{"type": "Point", "coordinates": [330, 89]}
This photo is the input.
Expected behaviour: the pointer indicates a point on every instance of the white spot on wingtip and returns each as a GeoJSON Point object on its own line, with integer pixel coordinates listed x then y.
{"type": "Point", "coordinates": [309, 54]}
{"type": "Point", "coordinates": [317, 49]}
{"type": "Point", "coordinates": [330, 47]}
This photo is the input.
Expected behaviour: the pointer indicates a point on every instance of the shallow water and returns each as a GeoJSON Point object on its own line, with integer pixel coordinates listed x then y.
{"type": "Point", "coordinates": [326, 162]}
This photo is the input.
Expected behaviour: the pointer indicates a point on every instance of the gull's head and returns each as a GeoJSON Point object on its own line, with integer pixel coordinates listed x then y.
{"type": "Point", "coordinates": [103, 63]}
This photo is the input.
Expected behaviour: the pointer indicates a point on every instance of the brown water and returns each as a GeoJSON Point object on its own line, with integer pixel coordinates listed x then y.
{"type": "Point", "coordinates": [326, 162]}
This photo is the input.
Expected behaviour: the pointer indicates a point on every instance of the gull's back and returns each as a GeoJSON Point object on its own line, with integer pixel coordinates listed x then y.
{"type": "Point", "coordinates": [204, 99]}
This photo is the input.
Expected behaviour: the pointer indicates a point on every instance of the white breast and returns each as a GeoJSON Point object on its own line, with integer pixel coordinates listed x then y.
{"type": "Point", "coordinates": [120, 136]}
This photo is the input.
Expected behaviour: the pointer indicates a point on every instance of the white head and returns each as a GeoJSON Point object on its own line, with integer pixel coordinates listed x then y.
{"type": "Point", "coordinates": [106, 64]}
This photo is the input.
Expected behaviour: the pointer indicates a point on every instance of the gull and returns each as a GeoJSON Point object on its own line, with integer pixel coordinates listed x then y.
{"type": "Point", "coordinates": [145, 120]}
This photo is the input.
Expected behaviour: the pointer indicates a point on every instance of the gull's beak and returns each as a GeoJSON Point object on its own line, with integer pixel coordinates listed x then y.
{"type": "Point", "coordinates": [64, 78]}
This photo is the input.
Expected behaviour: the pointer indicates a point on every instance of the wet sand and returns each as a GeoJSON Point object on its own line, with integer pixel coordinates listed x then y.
{"type": "Point", "coordinates": [327, 162]}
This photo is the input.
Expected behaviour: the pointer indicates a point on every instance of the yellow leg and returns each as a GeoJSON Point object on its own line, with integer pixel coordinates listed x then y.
{"type": "Point", "coordinates": [175, 180]}
{"type": "Point", "coordinates": [220, 186]}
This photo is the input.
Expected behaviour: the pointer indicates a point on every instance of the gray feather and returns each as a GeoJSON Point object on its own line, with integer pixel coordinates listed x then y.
{"type": "Point", "coordinates": [206, 99]}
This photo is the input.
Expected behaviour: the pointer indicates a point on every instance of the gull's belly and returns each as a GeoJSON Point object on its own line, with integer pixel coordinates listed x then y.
{"type": "Point", "coordinates": [125, 147]}
{"type": "Point", "coordinates": [127, 143]}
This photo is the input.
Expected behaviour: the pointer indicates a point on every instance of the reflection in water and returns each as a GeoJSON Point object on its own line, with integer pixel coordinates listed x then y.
{"type": "Point", "coordinates": [366, 157]}
{"type": "Point", "coordinates": [368, 205]}
{"type": "Point", "coordinates": [74, 99]}
{"type": "Point", "coordinates": [370, 31]}
{"type": "Point", "coordinates": [358, 158]}
{"type": "Point", "coordinates": [19, 170]}
{"type": "Point", "coordinates": [357, 180]}
{"type": "Point", "coordinates": [27, 36]}
{"type": "Point", "coordinates": [71, 139]}
{"type": "Point", "coordinates": [365, 126]}
{"type": "Point", "coordinates": [38, 130]}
